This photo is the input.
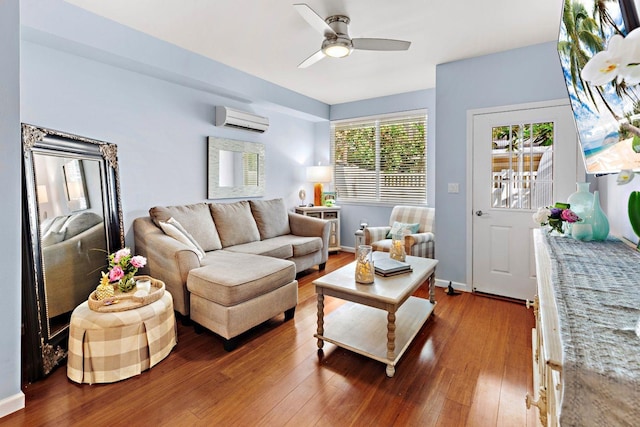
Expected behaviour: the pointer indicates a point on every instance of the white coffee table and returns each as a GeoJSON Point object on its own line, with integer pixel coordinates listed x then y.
{"type": "Point", "coordinates": [360, 324]}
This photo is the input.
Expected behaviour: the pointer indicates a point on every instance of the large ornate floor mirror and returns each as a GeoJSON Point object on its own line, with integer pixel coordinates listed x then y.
{"type": "Point", "coordinates": [71, 220]}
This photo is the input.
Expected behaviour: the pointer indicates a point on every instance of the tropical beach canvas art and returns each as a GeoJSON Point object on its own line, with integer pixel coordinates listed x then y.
{"type": "Point", "coordinates": [600, 58]}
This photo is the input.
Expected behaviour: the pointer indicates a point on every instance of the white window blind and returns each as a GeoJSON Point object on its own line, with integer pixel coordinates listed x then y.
{"type": "Point", "coordinates": [381, 160]}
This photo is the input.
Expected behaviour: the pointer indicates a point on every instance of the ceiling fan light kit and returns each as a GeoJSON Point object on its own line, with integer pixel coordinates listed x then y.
{"type": "Point", "coordinates": [337, 43]}
{"type": "Point", "coordinates": [338, 48]}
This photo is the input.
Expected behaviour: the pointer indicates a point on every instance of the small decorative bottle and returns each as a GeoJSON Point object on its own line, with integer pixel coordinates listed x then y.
{"type": "Point", "coordinates": [364, 264]}
{"type": "Point", "coordinates": [598, 219]}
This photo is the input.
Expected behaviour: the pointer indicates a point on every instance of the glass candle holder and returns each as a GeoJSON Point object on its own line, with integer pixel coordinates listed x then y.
{"type": "Point", "coordinates": [364, 264]}
{"type": "Point", "coordinates": [143, 285]}
{"type": "Point", "coordinates": [397, 251]}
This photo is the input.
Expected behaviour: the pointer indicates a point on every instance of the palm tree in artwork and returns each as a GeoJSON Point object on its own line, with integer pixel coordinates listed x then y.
{"type": "Point", "coordinates": [582, 33]}
{"type": "Point", "coordinates": [585, 35]}
{"type": "Point", "coordinates": [601, 12]}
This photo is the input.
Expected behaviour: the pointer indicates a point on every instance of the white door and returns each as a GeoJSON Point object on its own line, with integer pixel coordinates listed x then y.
{"type": "Point", "coordinates": [522, 159]}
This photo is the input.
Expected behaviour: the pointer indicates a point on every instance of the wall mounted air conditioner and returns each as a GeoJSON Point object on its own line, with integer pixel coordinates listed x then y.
{"type": "Point", "coordinates": [228, 117]}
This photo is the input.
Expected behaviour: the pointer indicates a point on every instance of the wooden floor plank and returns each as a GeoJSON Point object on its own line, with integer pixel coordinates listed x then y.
{"type": "Point", "coordinates": [469, 365]}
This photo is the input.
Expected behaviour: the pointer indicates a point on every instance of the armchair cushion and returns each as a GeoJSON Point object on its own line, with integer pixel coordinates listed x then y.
{"type": "Point", "coordinates": [374, 234]}
{"type": "Point", "coordinates": [403, 226]}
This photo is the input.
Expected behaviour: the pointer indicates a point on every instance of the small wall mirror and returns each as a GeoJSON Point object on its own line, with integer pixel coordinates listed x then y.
{"type": "Point", "coordinates": [71, 206]}
{"type": "Point", "coordinates": [236, 169]}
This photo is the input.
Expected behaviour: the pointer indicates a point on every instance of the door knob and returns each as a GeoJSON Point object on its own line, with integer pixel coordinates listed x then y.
{"type": "Point", "coordinates": [479, 213]}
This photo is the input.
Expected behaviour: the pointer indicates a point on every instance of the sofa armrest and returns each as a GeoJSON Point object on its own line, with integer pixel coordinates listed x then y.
{"type": "Point", "coordinates": [167, 259]}
{"type": "Point", "coordinates": [373, 234]}
{"type": "Point", "coordinates": [307, 226]}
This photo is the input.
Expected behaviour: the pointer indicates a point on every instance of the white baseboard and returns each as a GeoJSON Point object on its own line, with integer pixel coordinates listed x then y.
{"type": "Point", "coordinates": [457, 286]}
{"type": "Point", "coordinates": [11, 404]}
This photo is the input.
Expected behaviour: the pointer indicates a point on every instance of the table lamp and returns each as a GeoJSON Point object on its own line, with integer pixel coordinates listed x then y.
{"type": "Point", "coordinates": [318, 175]}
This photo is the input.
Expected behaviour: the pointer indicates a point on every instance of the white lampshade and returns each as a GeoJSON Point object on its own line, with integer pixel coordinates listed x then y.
{"type": "Point", "coordinates": [319, 173]}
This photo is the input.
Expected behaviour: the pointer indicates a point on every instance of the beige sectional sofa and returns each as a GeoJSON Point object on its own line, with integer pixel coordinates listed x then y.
{"type": "Point", "coordinates": [231, 266]}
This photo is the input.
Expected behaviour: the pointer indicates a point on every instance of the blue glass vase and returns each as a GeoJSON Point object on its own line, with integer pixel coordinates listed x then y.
{"type": "Point", "coordinates": [598, 219]}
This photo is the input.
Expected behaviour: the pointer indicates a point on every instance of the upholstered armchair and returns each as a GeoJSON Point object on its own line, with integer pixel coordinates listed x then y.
{"type": "Point", "coordinates": [419, 243]}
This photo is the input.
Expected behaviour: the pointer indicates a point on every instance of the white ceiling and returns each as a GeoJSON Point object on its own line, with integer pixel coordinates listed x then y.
{"type": "Point", "coordinates": [268, 39]}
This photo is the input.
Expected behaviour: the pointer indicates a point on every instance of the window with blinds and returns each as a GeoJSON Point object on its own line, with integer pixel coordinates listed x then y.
{"type": "Point", "coordinates": [381, 160]}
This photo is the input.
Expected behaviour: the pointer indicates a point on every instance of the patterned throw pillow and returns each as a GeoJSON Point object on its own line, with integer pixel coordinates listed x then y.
{"type": "Point", "coordinates": [405, 227]}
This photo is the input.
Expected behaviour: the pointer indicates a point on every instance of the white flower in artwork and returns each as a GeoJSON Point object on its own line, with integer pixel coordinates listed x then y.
{"type": "Point", "coordinates": [620, 60]}
{"type": "Point", "coordinates": [541, 216]}
{"type": "Point", "coordinates": [630, 70]}
{"type": "Point", "coordinates": [605, 66]}
{"type": "Point", "coordinates": [625, 176]}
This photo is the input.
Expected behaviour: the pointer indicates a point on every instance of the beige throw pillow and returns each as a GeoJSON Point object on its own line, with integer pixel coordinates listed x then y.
{"type": "Point", "coordinates": [195, 218]}
{"type": "Point", "coordinates": [173, 228]}
{"type": "Point", "coordinates": [271, 217]}
{"type": "Point", "coordinates": [235, 223]}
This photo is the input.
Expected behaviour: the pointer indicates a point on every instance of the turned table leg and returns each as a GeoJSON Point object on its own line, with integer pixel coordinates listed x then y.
{"type": "Point", "coordinates": [320, 320]}
{"type": "Point", "coordinates": [432, 288]}
{"type": "Point", "coordinates": [391, 342]}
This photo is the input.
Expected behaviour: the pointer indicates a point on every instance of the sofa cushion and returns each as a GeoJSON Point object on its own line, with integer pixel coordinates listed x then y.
{"type": "Point", "coordinates": [235, 223]}
{"type": "Point", "coordinates": [270, 247]}
{"type": "Point", "coordinates": [52, 237]}
{"type": "Point", "coordinates": [231, 278]}
{"type": "Point", "coordinates": [80, 222]}
{"type": "Point", "coordinates": [174, 229]}
{"type": "Point", "coordinates": [53, 224]}
{"type": "Point", "coordinates": [271, 217]}
{"type": "Point", "coordinates": [300, 245]}
{"type": "Point", "coordinates": [195, 218]}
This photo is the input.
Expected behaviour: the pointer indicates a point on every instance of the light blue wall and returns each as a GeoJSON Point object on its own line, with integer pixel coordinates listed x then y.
{"type": "Point", "coordinates": [351, 214]}
{"type": "Point", "coordinates": [158, 112]}
{"type": "Point", "coordinates": [517, 76]}
{"type": "Point", "coordinates": [11, 397]}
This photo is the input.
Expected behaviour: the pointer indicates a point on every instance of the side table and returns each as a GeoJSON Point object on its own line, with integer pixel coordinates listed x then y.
{"type": "Point", "coordinates": [331, 214]}
{"type": "Point", "coordinates": [109, 347]}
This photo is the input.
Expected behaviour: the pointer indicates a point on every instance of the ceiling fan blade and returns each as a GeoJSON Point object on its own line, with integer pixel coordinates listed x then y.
{"type": "Point", "coordinates": [380, 44]}
{"type": "Point", "coordinates": [314, 19]}
{"type": "Point", "coordinates": [312, 59]}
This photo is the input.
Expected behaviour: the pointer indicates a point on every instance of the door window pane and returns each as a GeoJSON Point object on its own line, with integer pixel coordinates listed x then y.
{"type": "Point", "coordinates": [522, 165]}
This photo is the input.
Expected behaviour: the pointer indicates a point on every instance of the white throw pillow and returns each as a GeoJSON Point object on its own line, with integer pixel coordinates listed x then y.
{"type": "Point", "coordinates": [173, 228]}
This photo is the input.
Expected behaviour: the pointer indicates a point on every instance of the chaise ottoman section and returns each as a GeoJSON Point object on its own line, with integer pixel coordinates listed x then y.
{"type": "Point", "coordinates": [235, 292]}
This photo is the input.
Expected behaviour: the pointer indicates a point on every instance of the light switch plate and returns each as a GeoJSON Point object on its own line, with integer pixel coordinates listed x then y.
{"type": "Point", "coordinates": [453, 187]}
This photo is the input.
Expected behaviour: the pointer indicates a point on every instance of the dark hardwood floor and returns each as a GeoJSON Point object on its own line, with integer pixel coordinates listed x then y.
{"type": "Point", "coordinates": [470, 365]}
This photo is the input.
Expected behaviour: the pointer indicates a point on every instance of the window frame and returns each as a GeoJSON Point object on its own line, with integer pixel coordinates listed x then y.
{"type": "Point", "coordinates": [379, 120]}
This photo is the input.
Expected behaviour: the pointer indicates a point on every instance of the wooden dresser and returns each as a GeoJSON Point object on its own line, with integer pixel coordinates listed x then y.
{"type": "Point", "coordinates": [586, 351]}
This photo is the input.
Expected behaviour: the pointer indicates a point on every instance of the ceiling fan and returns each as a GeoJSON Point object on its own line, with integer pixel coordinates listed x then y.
{"type": "Point", "coordinates": [337, 42]}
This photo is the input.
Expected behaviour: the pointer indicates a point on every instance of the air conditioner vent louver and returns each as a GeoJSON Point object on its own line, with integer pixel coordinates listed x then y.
{"type": "Point", "coordinates": [228, 117]}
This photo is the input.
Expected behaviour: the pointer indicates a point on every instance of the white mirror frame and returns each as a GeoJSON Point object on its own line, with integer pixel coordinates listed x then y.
{"type": "Point", "coordinates": [214, 190]}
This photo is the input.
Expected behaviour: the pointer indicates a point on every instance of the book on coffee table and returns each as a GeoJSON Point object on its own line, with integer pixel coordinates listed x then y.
{"type": "Point", "coordinates": [390, 267]}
